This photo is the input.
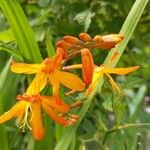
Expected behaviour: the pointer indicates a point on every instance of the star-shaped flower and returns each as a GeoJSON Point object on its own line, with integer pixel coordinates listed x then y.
{"type": "Point", "coordinates": [49, 71]}
{"type": "Point", "coordinates": [29, 113]}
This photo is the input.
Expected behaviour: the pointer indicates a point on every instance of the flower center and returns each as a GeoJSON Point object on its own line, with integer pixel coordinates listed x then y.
{"type": "Point", "coordinates": [49, 66]}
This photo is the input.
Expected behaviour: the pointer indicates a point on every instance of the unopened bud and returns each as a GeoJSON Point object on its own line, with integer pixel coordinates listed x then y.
{"type": "Point", "coordinates": [85, 37]}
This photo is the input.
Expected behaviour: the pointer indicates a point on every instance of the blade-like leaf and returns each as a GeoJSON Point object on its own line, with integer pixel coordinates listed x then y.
{"type": "Point", "coordinates": [7, 36]}
{"type": "Point", "coordinates": [21, 30]}
{"type": "Point", "coordinates": [49, 46]}
{"type": "Point", "coordinates": [3, 133]}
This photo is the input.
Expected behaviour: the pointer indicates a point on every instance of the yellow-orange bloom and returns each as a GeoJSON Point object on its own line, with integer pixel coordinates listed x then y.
{"type": "Point", "coordinates": [29, 108]}
{"type": "Point", "coordinates": [103, 70]}
{"type": "Point", "coordinates": [71, 43]}
{"type": "Point", "coordinates": [84, 44]}
{"type": "Point", "coordinates": [49, 71]}
{"type": "Point", "coordinates": [87, 66]}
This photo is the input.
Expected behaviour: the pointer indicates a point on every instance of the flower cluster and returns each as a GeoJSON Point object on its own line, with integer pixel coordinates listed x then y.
{"type": "Point", "coordinates": [28, 109]}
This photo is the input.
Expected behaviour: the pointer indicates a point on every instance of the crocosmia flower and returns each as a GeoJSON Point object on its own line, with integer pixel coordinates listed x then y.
{"type": "Point", "coordinates": [106, 71]}
{"type": "Point", "coordinates": [73, 44]}
{"type": "Point", "coordinates": [28, 111]}
{"type": "Point", "coordinates": [49, 71]}
{"type": "Point", "coordinates": [84, 45]}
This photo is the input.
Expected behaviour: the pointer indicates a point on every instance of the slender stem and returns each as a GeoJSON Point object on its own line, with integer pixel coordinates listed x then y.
{"type": "Point", "coordinates": [120, 127]}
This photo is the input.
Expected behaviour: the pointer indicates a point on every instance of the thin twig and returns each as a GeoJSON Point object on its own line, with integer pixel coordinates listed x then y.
{"type": "Point", "coordinates": [120, 127]}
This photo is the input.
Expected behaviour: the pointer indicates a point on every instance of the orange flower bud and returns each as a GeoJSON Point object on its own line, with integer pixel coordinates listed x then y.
{"type": "Point", "coordinates": [71, 40]}
{"type": "Point", "coordinates": [115, 38]}
{"type": "Point", "coordinates": [63, 44]}
{"type": "Point", "coordinates": [85, 37]}
{"type": "Point", "coordinates": [87, 65]}
{"type": "Point", "coordinates": [107, 41]}
{"type": "Point", "coordinates": [98, 38]}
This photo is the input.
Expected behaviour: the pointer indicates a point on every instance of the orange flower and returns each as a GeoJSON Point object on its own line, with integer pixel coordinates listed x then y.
{"type": "Point", "coordinates": [87, 66]}
{"type": "Point", "coordinates": [49, 71]}
{"type": "Point", "coordinates": [73, 44]}
{"type": "Point", "coordinates": [103, 70]}
{"type": "Point", "coordinates": [28, 109]}
{"type": "Point", "coordinates": [107, 41]}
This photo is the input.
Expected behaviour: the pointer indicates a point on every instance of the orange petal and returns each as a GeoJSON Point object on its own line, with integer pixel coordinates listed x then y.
{"type": "Point", "coordinates": [51, 102]}
{"type": "Point", "coordinates": [36, 122]}
{"type": "Point", "coordinates": [98, 39]}
{"type": "Point", "coordinates": [77, 66]}
{"type": "Point", "coordinates": [25, 68]}
{"type": "Point", "coordinates": [99, 43]}
{"type": "Point", "coordinates": [107, 41]}
{"type": "Point", "coordinates": [87, 66]}
{"type": "Point", "coordinates": [116, 38]}
{"type": "Point", "coordinates": [15, 111]}
{"type": "Point", "coordinates": [121, 71]}
{"type": "Point", "coordinates": [70, 80]}
{"type": "Point", "coordinates": [104, 45]}
{"type": "Point", "coordinates": [54, 116]}
{"type": "Point", "coordinates": [57, 59]}
{"type": "Point", "coordinates": [56, 93]}
{"type": "Point", "coordinates": [53, 62]}
{"type": "Point", "coordinates": [62, 51]}
{"type": "Point", "coordinates": [85, 37]}
{"type": "Point", "coordinates": [54, 79]}
{"type": "Point", "coordinates": [38, 83]}
{"type": "Point", "coordinates": [63, 44]}
{"type": "Point", "coordinates": [71, 39]}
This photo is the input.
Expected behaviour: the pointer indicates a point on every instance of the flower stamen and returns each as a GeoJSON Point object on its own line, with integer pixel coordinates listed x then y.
{"type": "Point", "coordinates": [24, 123]}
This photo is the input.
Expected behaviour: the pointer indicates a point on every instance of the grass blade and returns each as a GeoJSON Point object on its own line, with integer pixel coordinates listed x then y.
{"type": "Point", "coordinates": [3, 133]}
{"type": "Point", "coordinates": [49, 45]}
{"type": "Point", "coordinates": [21, 30]}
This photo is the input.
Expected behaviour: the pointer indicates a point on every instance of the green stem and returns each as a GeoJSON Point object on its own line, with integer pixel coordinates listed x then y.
{"type": "Point", "coordinates": [120, 127]}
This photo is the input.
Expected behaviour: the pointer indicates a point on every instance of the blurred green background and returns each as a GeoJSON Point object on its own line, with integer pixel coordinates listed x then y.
{"type": "Point", "coordinates": [57, 18]}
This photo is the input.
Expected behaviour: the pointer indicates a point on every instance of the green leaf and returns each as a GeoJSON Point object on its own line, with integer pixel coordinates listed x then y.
{"type": "Point", "coordinates": [135, 106]}
{"type": "Point", "coordinates": [21, 30]}
{"type": "Point", "coordinates": [49, 45]}
{"type": "Point", "coordinates": [84, 18]}
{"type": "Point", "coordinates": [117, 108]}
{"type": "Point", "coordinates": [3, 133]}
{"type": "Point", "coordinates": [13, 52]}
{"type": "Point", "coordinates": [7, 36]}
{"type": "Point", "coordinates": [3, 73]}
